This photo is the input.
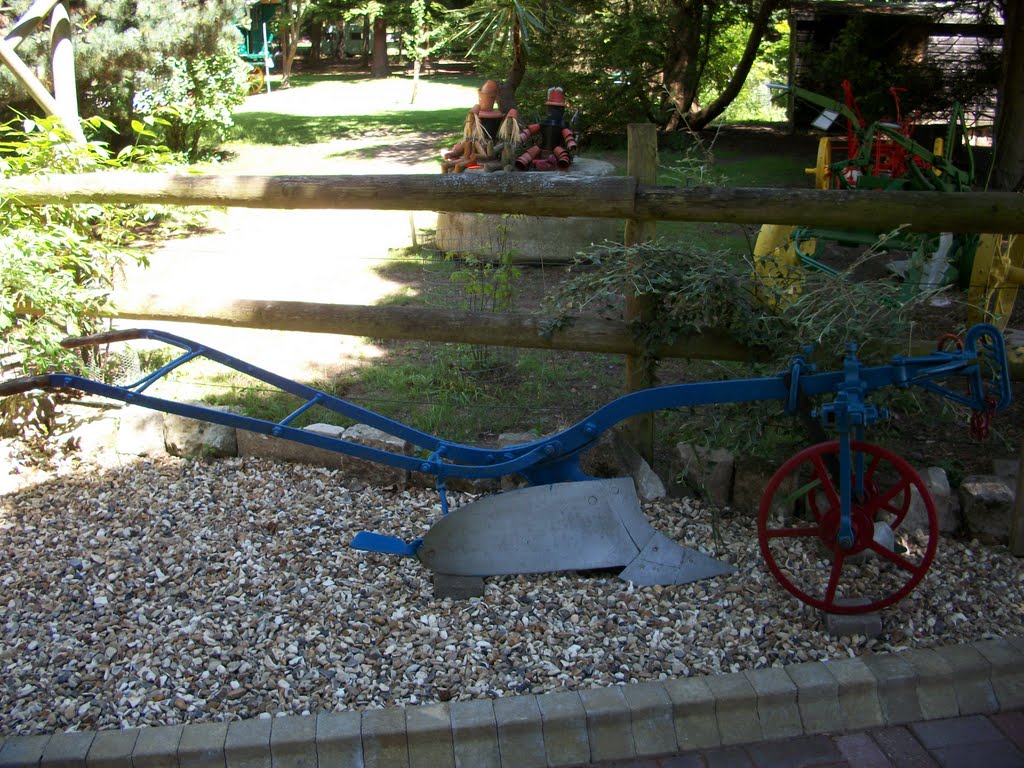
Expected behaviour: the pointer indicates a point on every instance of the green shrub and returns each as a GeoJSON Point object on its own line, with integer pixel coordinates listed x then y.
{"type": "Point", "coordinates": [57, 262]}
{"type": "Point", "coordinates": [194, 103]}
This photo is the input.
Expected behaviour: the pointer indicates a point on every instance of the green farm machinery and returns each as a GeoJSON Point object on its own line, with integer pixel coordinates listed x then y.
{"type": "Point", "coordinates": [884, 155]}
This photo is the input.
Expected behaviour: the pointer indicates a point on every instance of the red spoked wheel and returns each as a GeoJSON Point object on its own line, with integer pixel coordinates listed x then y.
{"type": "Point", "coordinates": [798, 526]}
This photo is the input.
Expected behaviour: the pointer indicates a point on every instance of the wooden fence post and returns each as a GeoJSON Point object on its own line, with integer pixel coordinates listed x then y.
{"type": "Point", "coordinates": [642, 164]}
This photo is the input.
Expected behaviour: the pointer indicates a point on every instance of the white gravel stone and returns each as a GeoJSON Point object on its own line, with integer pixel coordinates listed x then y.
{"type": "Point", "coordinates": [167, 591]}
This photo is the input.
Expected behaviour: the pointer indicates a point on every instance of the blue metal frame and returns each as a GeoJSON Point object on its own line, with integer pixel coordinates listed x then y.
{"type": "Point", "coordinates": [555, 459]}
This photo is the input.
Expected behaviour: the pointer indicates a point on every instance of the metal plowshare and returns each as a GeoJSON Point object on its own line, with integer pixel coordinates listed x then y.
{"type": "Point", "coordinates": [834, 524]}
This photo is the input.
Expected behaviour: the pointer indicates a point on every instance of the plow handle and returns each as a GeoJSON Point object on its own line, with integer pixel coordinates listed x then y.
{"type": "Point", "coordinates": [24, 384]}
{"type": "Point", "coordinates": [106, 337]}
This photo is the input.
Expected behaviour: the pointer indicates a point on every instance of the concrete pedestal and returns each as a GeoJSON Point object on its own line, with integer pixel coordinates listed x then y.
{"type": "Point", "coordinates": [530, 239]}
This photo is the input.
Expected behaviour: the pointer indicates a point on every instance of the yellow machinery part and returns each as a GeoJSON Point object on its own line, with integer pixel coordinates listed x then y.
{"type": "Point", "coordinates": [997, 274]}
{"type": "Point", "coordinates": [256, 80]}
{"type": "Point", "coordinates": [820, 172]}
{"type": "Point", "coordinates": [778, 273]}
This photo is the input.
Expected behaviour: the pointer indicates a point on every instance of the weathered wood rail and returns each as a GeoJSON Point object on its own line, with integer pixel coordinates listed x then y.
{"type": "Point", "coordinates": [536, 194]}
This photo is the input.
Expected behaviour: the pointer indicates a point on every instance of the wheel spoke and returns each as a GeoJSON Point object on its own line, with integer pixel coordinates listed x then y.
{"type": "Point", "coordinates": [872, 505]}
{"type": "Point", "coordinates": [894, 557]}
{"type": "Point", "coordinates": [833, 578]}
{"type": "Point", "coordinates": [869, 473]}
{"type": "Point", "coordinates": [826, 481]}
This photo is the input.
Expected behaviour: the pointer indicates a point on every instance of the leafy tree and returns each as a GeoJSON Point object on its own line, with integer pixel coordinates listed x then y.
{"type": "Point", "coordinates": [421, 38]}
{"type": "Point", "coordinates": [676, 63]}
{"type": "Point", "coordinates": [60, 260]}
{"type": "Point", "coordinates": [122, 46]}
{"type": "Point", "coordinates": [505, 29]}
{"type": "Point", "coordinates": [1008, 161]}
{"type": "Point", "coordinates": [692, 41]}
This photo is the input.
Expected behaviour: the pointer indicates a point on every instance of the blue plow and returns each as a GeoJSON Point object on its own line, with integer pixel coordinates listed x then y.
{"type": "Point", "coordinates": [566, 520]}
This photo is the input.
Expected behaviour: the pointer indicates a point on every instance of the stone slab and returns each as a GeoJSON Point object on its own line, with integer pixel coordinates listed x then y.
{"type": "Point", "coordinates": [520, 731]}
{"type": "Point", "coordinates": [475, 734]}
{"type": "Point", "coordinates": [817, 697]}
{"type": "Point", "coordinates": [851, 624]}
{"type": "Point", "coordinates": [67, 750]}
{"type": "Point", "coordinates": [564, 722]}
{"type": "Point", "coordinates": [777, 709]}
{"type": "Point", "coordinates": [935, 692]}
{"type": "Point", "coordinates": [529, 239]}
{"type": "Point", "coordinates": [112, 749]}
{"type": "Point", "coordinates": [267, 447]}
{"type": "Point", "coordinates": [293, 742]}
{"type": "Point", "coordinates": [384, 742]}
{"type": "Point", "coordinates": [339, 740]}
{"type": "Point", "coordinates": [457, 587]}
{"type": "Point", "coordinates": [897, 688]}
{"type": "Point", "coordinates": [650, 712]}
{"type": "Point", "coordinates": [693, 712]}
{"type": "Point", "coordinates": [1007, 671]}
{"type": "Point", "coordinates": [735, 709]}
{"type": "Point", "coordinates": [858, 693]}
{"type": "Point", "coordinates": [608, 726]}
{"type": "Point", "coordinates": [428, 729]}
{"type": "Point", "coordinates": [202, 745]}
{"type": "Point", "coordinates": [157, 747]}
{"type": "Point", "coordinates": [971, 680]}
{"type": "Point", "coordinates": [248, 744]}
{"type": "Point", "coordinates": [23, 751]}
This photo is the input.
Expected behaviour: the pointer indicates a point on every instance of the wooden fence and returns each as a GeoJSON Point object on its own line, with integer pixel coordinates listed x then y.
{"type": "Point", "coordinates": [633, 198]}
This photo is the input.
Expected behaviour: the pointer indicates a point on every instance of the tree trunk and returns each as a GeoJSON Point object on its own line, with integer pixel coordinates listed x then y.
{"type": "Point", "coordinates": [681, 61]}
{"type": "Point", "coordinates": [289, 45]}
{"type": "Point", "coordinates": [416, 65]}
{"type": "Point", "coordinates": [366, 43]}
{"type": "Point", "coordinates": [516, 72]}
{"type": "Point", "coordinates": [702, 117]}
{"type": "Point", "coordinates": [316, 35]}
{"type": "Point", "coordinates": [1008, 159]}
{"type": "Point", "coordinates": [379, 68]}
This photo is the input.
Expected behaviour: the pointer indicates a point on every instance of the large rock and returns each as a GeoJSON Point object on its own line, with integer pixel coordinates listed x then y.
{"type": "Point", "coordinates": [750, 479]}
{"type": "Point", "coordinates": [267, 447]}
{"type": "Point", "coordinates": [372, 472]}
{"type": "Point", "coordinates": [947, 506]}
{"type": "Point", "coordinates": [703, 472]}
{"type": "Point", "coordinates": [252, 444]}
{"type": "Point", "coordinates": [614, 456]}
{"type": "Point", "coordinates": [140, 431]}
{"type": "Point", "coordinates": [530, 239]}
{"type": "Point", "coordinates": [192, 438]}
{"type": "Point", "coordinates": [987, 505]}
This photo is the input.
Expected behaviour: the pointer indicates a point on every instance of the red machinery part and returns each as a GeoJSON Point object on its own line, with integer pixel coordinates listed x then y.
{"type": "Point", "coordinates": [802, 552]}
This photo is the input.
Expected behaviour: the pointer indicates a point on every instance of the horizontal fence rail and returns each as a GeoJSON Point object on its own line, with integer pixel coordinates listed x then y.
{"type": "Point", "coordinates": [537, 194]}
{"type": "Point", "coordinates": [504, 329]}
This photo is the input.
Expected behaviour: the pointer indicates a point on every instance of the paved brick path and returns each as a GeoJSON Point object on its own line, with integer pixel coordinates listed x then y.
{"type": "Point", "coordinates": [961, 705]}
{"type": "Point", "coordinates": [993, 741]}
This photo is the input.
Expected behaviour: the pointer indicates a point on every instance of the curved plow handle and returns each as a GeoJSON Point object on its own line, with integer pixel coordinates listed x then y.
{"type": "Point", "coordinates": [990, 381]}
{"type": "Point", "coordinates": [107, 337]}
{"type": "Point", "coordinates": [24, 384]}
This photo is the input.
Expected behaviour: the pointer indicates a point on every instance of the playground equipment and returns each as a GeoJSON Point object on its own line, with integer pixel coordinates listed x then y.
{"type": "Point", "coordinates": [830, 524]}
{"type": "Point", "coordinates": [884, 155]}
{"type": "Point", "coordinates": [255, 46]}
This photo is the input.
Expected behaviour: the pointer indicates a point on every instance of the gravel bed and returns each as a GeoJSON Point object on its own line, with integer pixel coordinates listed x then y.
{"type": "Point", "coordinates": [169, 591]}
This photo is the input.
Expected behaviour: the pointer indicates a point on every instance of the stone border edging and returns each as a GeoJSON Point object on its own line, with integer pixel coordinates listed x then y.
{"type": "Point", "coordinates": [568, 728]}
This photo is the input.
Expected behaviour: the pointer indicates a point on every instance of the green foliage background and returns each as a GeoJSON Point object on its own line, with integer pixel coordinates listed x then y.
{"type": "Point", "coordinates": [137, 58]}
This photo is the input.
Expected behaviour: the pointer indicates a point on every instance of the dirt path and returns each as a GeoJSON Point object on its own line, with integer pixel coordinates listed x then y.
{"type": "Point", "coordinates": [315, 256]}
